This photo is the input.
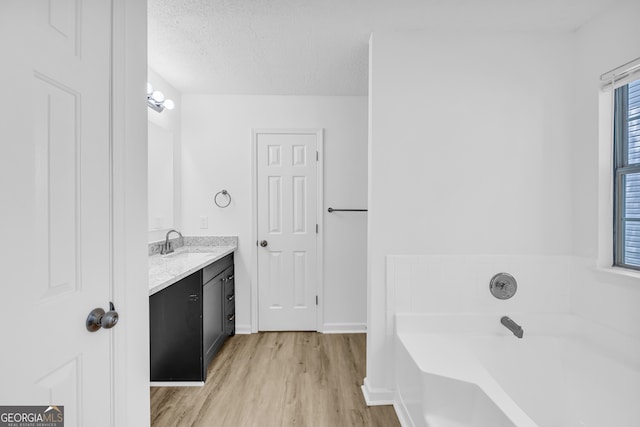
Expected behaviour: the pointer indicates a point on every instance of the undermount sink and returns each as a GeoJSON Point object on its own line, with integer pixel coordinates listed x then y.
{"type": "Point", "coordinates": [185, 250]}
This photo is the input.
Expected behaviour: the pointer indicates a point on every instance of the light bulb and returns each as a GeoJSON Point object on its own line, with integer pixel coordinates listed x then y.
{"type": "Point", "coordinates": [149, 88]}
{"type": "Point", "coordinates": [158, 96]}
{"type": "Point", "coordinates": [169, 104]}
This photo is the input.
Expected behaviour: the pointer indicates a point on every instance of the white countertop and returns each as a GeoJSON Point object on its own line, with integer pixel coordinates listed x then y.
{"type": "Point", "coordinates": [165, 270]}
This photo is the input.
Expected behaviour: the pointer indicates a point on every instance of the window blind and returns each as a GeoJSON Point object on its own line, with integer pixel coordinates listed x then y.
{"type": "Point", "coordinates": [627, 171]}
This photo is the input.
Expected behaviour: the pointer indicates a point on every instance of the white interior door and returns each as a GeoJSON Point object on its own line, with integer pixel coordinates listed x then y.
{"type": "Point", "coordinates": [287, 178]}
{"type": "Point", "coordinates": [56, 206]}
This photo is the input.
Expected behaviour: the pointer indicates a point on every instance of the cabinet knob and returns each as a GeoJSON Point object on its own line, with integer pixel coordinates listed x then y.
{"type": "Point", "coordinates": [264, 243]}
{"type": "Point", "coordinates": [231, 318]}
{"type": "Point", "coordinates": [230, 297]}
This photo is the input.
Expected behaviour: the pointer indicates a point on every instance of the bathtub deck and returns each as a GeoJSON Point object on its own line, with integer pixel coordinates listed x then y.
{"type": "Point", "coordinates": [567, 371]}
{"type": "Point", "coordinates": [277, 379]}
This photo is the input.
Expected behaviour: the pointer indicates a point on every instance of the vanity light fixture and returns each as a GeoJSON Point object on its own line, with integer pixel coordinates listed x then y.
{"type": "Point", "coordinates": [157, 101]}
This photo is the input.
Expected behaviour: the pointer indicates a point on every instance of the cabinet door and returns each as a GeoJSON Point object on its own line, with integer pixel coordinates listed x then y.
{"type": "Point", "coordinates": [175, 315]}
{"type": "Point", "coordinates": [212, 318]}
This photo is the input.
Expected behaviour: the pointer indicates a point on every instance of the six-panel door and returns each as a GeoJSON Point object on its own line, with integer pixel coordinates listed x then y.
{"type": "Point", "coordinates": [56, 203]}
{"type": "Point", "coordinates": [287, 183]}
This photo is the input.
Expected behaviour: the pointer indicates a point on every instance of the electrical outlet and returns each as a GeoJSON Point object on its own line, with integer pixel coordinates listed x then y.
{"type": "Point", "coordinates": [204, 222]}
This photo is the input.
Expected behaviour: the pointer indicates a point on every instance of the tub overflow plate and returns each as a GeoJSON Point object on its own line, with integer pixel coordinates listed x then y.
{"type": "Point", "coordinates": [503, 286]}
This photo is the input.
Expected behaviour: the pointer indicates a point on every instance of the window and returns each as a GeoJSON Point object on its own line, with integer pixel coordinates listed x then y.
{"type": "Point", "coordinates": [626, 227]}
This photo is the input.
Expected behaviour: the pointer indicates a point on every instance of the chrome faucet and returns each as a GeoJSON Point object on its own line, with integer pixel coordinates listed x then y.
{"type": "Point", "coordinates": [166, 248]}
{"type": "Point", "coordinates": [512, 326]}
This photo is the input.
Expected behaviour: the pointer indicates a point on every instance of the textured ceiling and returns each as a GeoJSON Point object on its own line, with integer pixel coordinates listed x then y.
{"type": "Point", "coordinates": [318, 47]}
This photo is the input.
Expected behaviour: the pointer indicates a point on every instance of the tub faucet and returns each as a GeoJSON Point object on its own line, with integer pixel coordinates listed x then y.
{"type": "Point", "coordinates": [512, 326]}
{"type": "Point", "coordinates": [166, 248]}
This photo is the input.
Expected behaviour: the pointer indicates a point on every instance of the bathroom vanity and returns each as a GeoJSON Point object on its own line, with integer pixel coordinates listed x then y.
{"type": "Point", "coordinates": [192, 313]}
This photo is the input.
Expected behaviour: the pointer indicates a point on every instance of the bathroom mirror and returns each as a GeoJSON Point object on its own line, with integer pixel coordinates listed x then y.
{"type": "Point", "coordinates": [161, 178]}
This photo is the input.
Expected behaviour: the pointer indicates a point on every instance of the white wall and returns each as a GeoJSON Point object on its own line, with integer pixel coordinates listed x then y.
{"type": "Point", "coordinates": [170, 120]}
{"type": "Point", "coordinates": [217, 155]}
{"type": "Point", "coordinates": [469, 154]}
{"type": "Point", "coordinates": [612, 299]}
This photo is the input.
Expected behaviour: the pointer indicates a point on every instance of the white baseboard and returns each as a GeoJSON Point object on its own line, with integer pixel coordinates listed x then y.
{"type": "Point", "coordinates": [243, 329]}
{"type": "Point", "coordinates": [176, 383]}
{"type": "Point", "coordinates": [327, 328]}
{"type": "Point", "coordinates": [344, 328]}
{"type": "Point", "coordinates": [377, 396]}
{"type": "Point", "coordinates": [402, 413]}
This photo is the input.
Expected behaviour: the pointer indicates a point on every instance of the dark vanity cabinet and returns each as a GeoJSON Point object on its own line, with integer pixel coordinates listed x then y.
{"type": "Point", "coordinates": [189, 322]}
{"type": "Point", "coordinates": [218, 292]}
{"type": "Point", "coordinates": [175, 316]}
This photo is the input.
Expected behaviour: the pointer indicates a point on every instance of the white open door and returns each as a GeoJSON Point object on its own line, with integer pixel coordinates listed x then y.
{"type": "Point", "coordinates": [287, 218]}
{"type": "Point", "coordinates": [58, 222]}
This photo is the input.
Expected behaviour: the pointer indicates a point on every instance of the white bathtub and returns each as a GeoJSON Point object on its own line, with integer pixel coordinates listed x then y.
{"type": "Point", "coordinates": [469, 370]}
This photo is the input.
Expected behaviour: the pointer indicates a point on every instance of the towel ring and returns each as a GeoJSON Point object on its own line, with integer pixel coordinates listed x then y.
{"type": "Point", "coordinates": [224, 193]}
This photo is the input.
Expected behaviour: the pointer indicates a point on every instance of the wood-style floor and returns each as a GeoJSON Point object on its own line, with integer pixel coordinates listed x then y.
{"type": "Point", "coordinates": [277, 379]}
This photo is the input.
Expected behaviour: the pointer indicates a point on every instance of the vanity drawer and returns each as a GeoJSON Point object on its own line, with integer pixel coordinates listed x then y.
{"type": "Point", "coordinates": [229, 301]}
{"type": "Point", "coordinates": [229, 285]}
{"type": "Point", "coordinates": [230, 320]}
{"type": "Point", "coordinates": [229, 308]}
{"type": "Point", "coordinates": [229, 294]}
{"type": "Point", "coordinates": [212, 270]}
{"type": "Point", "coordinates": [230, 298]}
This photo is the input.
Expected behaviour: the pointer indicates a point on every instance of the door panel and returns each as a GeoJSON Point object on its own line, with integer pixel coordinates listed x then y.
{"type": "Point", "coordinates": [287, 199]}
{"type": "Point", "coordinates": [56, 166]}
{"type": "Point", "coordinates": [300, 283]}
{"type": "Point", "coordinates": [58, 144]}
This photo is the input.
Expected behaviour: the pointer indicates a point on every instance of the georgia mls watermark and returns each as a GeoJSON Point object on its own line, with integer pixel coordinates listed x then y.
{"type": "Point", "coordinates": [31, 416]}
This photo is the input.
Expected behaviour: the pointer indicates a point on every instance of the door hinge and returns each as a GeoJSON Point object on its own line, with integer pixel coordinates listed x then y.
{"type": "Point", "coordinates": [316, 299]}
{"type": "Point", "coordinates": [317, 156]}
{"type": "Point", "coordinates": [316, 228]}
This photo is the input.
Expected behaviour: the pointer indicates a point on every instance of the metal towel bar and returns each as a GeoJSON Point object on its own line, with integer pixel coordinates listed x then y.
{"type": "Point", "coordinates": [346, 210]}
